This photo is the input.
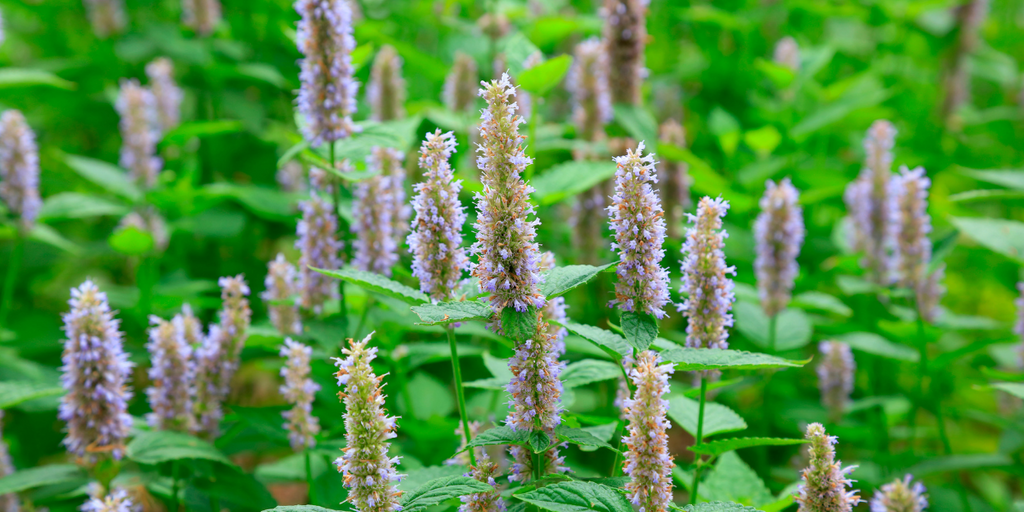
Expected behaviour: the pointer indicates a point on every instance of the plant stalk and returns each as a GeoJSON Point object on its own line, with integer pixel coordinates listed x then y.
{"type": "Point", "coordinates": [699, 438]}
{"type": "Point", "coordinates": [175, 504]}
{"type": "Point", "coordinates": [13, 267]}
{"type": "Point", "coordinates": [460, 394]}
{"type": "Point", "coordinates": [309, 479]}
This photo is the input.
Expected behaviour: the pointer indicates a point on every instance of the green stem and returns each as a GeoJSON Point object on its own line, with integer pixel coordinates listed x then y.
{"type": "Point", "coordinates": [13, 267]}
{"type": "Point", "coordinates": [538, 467]}
{"type": "Point", "coordinates": [619, 432]}
{"type": "Point", "coordinates": [362, 318]}
{"type": "Point", "coordinates": [215, 504]}
{"type": "Point", "coordinates": [922, 372]}
{"type": "Point", "coordinates": [457, 371]}
{"type": "Point", "coordinates": [531, 147]}
{"type": "Point", "coordinates": [699, 438]}
{"type": "Point", "coordinates": [175, 504]}
{"type": "Point", "coordinates": [309, 479]}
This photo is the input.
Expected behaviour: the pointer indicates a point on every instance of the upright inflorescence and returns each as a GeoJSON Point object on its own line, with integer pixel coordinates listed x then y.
{"type": "Point", "coordinates": [106, 16]}
{"type": "Point", "coordinates": [386, 90]}
{"type": "Point", "coordinates": [140, 133]}
{"type": "Point", "coordinates": [218, 356]}
{"type": "Point", "coordinates": [638, 221]}
{"type": "Point", "coordinates": [438, 258]}
{"type": "Point", "coordinates": [8, 502]}
{"type": "Point", "coordinates": [625, 35]}
{"type": "Point", "coordinates": [536, 402]}
{"type": "Point", "coordinates": [485, 471]}
{"type": "Point", "coordinates": [970, 16]}
{"type": "Point", "coordinates": [708, 289]}
{"type": "Point", "coordinates": [835, 376]}
{"type": "Point", "coordinates": [370, 475]}
{"type": "Point", "coordinates": [505, 225]}
{"type": "Point", "coordinates": [900, 496]}
{"type": "Point", "coordinates": [779, 234]}
{"type": "Point", "coordinates": [914, 254]}
{"type": "Point", "coordinates": [674, 186]}
{"type": "Point", "coordinates": [19, 168]}
{"type": "Point", "coordinates": [282, 286]}
{"type": "Point", "coordinates": [202, 16]}
{"type": "Point", "coordinates": [380, 212]}
{"type": "Point", "coordinates": [172, 374]}
{"type": "Point", "coordinates": [588, 82]}
{"type": "Point", "coordinates": [648, 462]}
{"type": "Point", "coordinates": [787, 53]}
{"type": "Point", "coordinates": [298, 389]}
{"type": "Point", "coordinates": [825, 481]}
{"type": "Point", "coordinates": [870, 200]}
{"type": "Point", "coordinates": [166, 92]}
{"type": "Point", "coordinates": [117, 501]}
{"type": "Point", "coordinates": [460, 85]}
{"type": "Point", "coordinates": [318, 246]}
{"type": "Point", "coordinates": [95, 376]}
{"type": "Point", "coordinates": [327, 96]}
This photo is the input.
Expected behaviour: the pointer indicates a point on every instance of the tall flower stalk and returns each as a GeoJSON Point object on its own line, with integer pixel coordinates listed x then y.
{"type": "Point", "coordinates": [8, 502]}
{"type": "Point", "coordinates": [460, 85]}
{"type": "Point", "coordinates": [318, 247]}
{"type": "Point", "coordinates": [825, 481]}
{"type": "Point", "coordinates": [588, 83]}
{"type": "Point", "coordinates": [624, 36]}
{"type": "Point", "coordinates": [140, 132]}
{"type": "Point", "coordinates": [1018, 327]}
{"type": "Point", "coordinates": [299, 390]}
{"type": "Point", "coordinates": [674, 186]}
{"type": "Point", "coordinates": [870, 199]}
{"type": "Point", "coordinates": [648, 462]}
{"type": "Point", "coordinates": [835, 377]}
{"type": "Point", "coordinates": [202, 16]}
{"type": "Point", "coordinates": [219, 354]}
{"type": "Point", "coordinates": [386, 90]}
{"type": "Point", "coordinates": [381, 215]}
{"type": "Point", "coordinates": [779, 234]}
{"type": "Point", "coordinates": [900, 495]}
{"type": "Point", "coordinates": [106, 16]}
{"type": "Point", "coordinates": [282, 288]}
{"type": "Point", "coordinates": [172, 374]}
{"type": "Point", "coordinates": [327, 95]}
{"type": "Point", "coordinates": [19, 169]}
{"type": "Point", "coordinates": [166, 92]}
{"type": "Point", "coordinates": [915, 249]}
{"type": "Point", "coordinates": [706, 285]}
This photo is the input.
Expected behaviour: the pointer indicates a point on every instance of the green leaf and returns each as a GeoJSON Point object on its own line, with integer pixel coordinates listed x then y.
{"type": "Point", "coordinates": [603, 432]}
{"type": "Point", "coordinates": [441, 489]}
{"type": "Point", "coordinates": [613, 344]}
{"type": "Point", "coordinates": [1005, 177]}
{"type": "Point", "coordinates": [693, 359]}
{"type": "Point", "coordinates": [417, 477]}
{"type": "Point", "coordinates": [715, 448]}
{"type": "Point", "coordinates": [581, 437]}
{"type": "Point", "coordinates": [719, 506]}
{"type": "Point", "coordinates": [560, 280]}
{"type": "Point", "coordinates": [299, 508]}
{"type": "Point", "coordinates": [131, 241]}
{"type": "Point", "coordinates": [566, 180]}
{"type": "Point", "coordinates": [879, 346]}
{"type": "Point", "coordinates": [542, 78]}
{"type": "Point", "coordinates": [499, 435]}
{"type": "Point", "coordinates": [732, 480]}
{"type": "Point", "coordinates": [577, 497]}
{"type": "Point", "coordinates": [108, 176]}
{"type": "Point", "coordinates": [447, 312]}
{"type": "Point", "coordinates": [1014, 388]}
{"type": "Point", "coordinates": [763, 140]}
{"type": "Point", "coordinates": [48, 235]}
{"type": "Point", "coordinates": [13, 393]}
{"type": "Point", "coordinates": [638, 123]}
{"type": "Point", "coordinates": [539, 441]}
{"type": "Point", "coordinates": [72, 205]}
{"type": "Point", "coordinates": [822, 302]}
{"type": "Point", "coordinates": [378, 284]}
{"type": "Point", "coordinates": [717, 417]}
{"type": "Point", "coordinates": [1003, 236]}
{"type": "Point", "coordinates": [21, 77]}
{"type": "Point", "coordinates": [265, 202]}
{"type": "Point", "coordinates": [792, 327]}
{"type": "Point", "coordinates": [491, 383]}
{"type": "Point", "coordinates": [189, 129]}
{"type": "Point", "coordinates": [292, 468]}
{"type": "Point", "coordinates": [31, 478]}
{"type": "Point", "coordinates": [953, 463]}
{"type": "Point", "coordinates": [163, 446]}
{"type": "Point", "coordinates": [725, 128]}
{"type": "Point", "coordinates": [588, 371]}
{"type": "Point", "coordinates": [519, 325]}
{"type": "Point", "coordinates": [238, 488]}
{"type": "Point", "coordinates": [640, 329]}
{"type": "Point", "coordinates": [517, 48]}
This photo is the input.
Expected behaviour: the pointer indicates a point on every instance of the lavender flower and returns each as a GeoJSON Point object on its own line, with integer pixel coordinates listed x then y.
{"type": "Point", "coordinates": [460, 85]}
{"type": "Point", "coordinates": [436, 237]}
{"type": "Point", "coordinates": [202, 16]}
{"type": "Point", "coordinates": [787, 54]}
{"type": "Point", "coordinates": [106, 16]}
{"type": "Point", "coordinates": [292, 177]}
{"type": "Point", "coordinates": [327, 96]}
{"type": "Point", "coordinates": [173, 374]}
{"type": "Point", "coordinates": [970, 16]}
{"type": "Point", "coordinates": [588, 82]}
{"type": "Point", "coordinates": [871, 202]}
{"type": "Point", "coordinates": [299, 390]}
{"type": "Point", "coordinates": [219, 354]}
{"type": "Point", "coordinates": [380, 212]}
{"type": "Point", "coordinates": [536, 402]}
{"type": "Point", "coordinates": [19, 168]}
{"type": "Point", "coordinates": [900, 496]}
{"type": "Point", "coordinates": [1018, 328]}
{"type": "Point", "coordinates": [555, 312]}
{"type": "Point", "coordinates": [705, 283]}
{"type": "Point", "coordinates": [8, 502]}
{"type": "Point", "coordinates": [835, 376]}
{"type": "Point", "coordinates": [369, 474]}
{"type": "Point", "coordinates": [319, 248]}
{"type": "Point", "coordinates": [484, 471]}
{"type": "Point", "coordinates": [166, 92]}
{"type": "Point", "coordinates": [282, 285]}
{"type": "Point", "coordinates": [625, 35]}
{"type": "Point", "coordinates": [648, 462]}
{"type": "Point", "coordinates": [915, 249]}
{"type": "Point", "coordinates": [825, 481]}
{"type": "Point", "coordinates": [139, 132]}
{"type": "Point", "coordinates": [386, 90]}
{"type": "Point", "coordinates": [779, 234]}
{"type": "Point", "coordinates": [116, 501]}
{"type": "Point", "coordinates": [675, 188]}
{"type": "Point", "coordinates": [508, 255]}
{"type": "Point", "coordinates": [95, 375]}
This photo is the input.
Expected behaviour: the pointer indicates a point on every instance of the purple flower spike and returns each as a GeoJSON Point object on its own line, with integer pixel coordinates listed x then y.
{"type": "Point", "coordinates": [299, 390]}
{"type": "Point", "coordinates": [202, 16]}
{"type": "Point", "coordinates": [166, 92]}
{"type": "Point", "coordinates": [705, 283]}
{"type": "Point", "coordinates": [624, 36]}
{"type": "Point", "coordinates": [835, 376]}
{"type": "Point", "coordinates": [282, 286]}
{"type": "Point", "coordinates": [870, 200]}
{"type": "Point", "coordinates": [172, 374]}
{"type": "Point", "coordinates": [327, 96]}
{"type": "Point", "coordinates": [779, 234]}
{"type": "Point", "coordinates": [19, 168]}
{"type": "Point", "coordinates": [460, 85]}
{"type": "Point", "coordinates": [381, 215]}
{"type": "Point", "coordinates": [218, 355]}
{"type": "Point", "coordinates": [648, 462]}
{"type": "Point", "coordinates": [900, 496]}
{"type": "Point", "coordinates": [106, 16]}
{"type": "Point", "coordinates": [914, 253]}
{"type": "Point", "coordinates": [386, 90]}
{"type": "Point", "coordinates": [825, 481]}
{"type": "Point", "coordinates": [140, 131]}
{"type": "Point", "coordinates": [318, 246]}
{"type": "Point", "coordinates": [588, 82]}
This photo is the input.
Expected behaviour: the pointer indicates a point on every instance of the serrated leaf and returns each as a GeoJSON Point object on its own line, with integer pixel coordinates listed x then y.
{"type": "Point", "coordinates": [499, 435]}
{"type": "Point", "coordinates": [640, 329]}
{"type": "Point", "coordinates": [448, 312]}
{"type": "Point", "coordinates": [539, 441]}
{"type": "Point", "coordinates": [879, 346]}
{"type": "Point", "coordinates": [611, 343]}
{"type": "Point", "coordinates": [108, 176]}
{"type": "Point", "coordinates": [732, 480]}
{"type": "Point", "coordinates": [72, 205]}
{"type": "Point", "coordinates": [13, 393]}
{"type": "Point", "coordinates": [603, 432]}
{"type": "Point", "coordinates": [1014, 388]}
{"type": "Point", "coordinates": [577, 497]}
{"type": "Point", "coordinates": [163, 446]}
{"type": "Point", "coordinates": [24, 77]}
{"type": "Point", "coordinates": [441, 489]}
{"type": "Point", "coordinates": [565, 180]}
{"type": "Point", "coordinates": [581, 437]}
{"type": "Point", "coordinates": [588, 371]}
{"type": "Point", "coordinates": [822, 302]}
{"type": "Point", "coordinates": [1003, 236]}
{"type": "Point", "coordinates": [717, 417]}
{"type": "Point", "coordinates": [693, 359]}
{"type": "Point", "coordinates": [491, 383]}
{"type": "Point", "coordinates": [543, 77]}
{"type": "Point", "coordinates": [719, 506]}
{"type": "Point", "coordinates": [31, 478]}
{"type": "Point", "coordinates": [519, 325]}
{"type": "Point", "coordinates": [792, 327]}
{"type": "Point", "coordinates": [378, 284]}
{"type": "Point", "coordinates": [715, 448]}
{"type": "Point", "coordinates": [559, 280]}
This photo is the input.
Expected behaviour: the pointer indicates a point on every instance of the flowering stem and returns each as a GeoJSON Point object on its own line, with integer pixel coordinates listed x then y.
{"type": "Point", "coordinates": [174, 487]}
{"type": "Point", "coordinates": [538, 466]}
{"type": "Point", "coordinates": [531, 149]}
{"type": "Point", "coordinates": [309, 478]}
{"type": "Point", "coordinates": [457, 371]}
{"type": "Point", "coordinates": [362, 319]}
{"type": "Point", "coordinates": [771, 333]}
{"type": "Point", "coordinates": [922, 370]}
{"type": "Point", "coordinates": [699, 438]}
{"type": "Point", "coordinates": [13, 266]}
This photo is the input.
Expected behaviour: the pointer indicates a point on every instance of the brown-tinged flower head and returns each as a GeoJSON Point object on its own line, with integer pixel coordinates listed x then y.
{"type": "Point", "coordinates": [8, 502]}
{"type": "Point", "coordinates": [708, 289]}
{"type": "Point", "coordinates": [624, 36]}
{"type": "Point", "coordinates": [779, 235]}
{"type": "Point", "coordinates": [219, 354]}
{"type": "Point", "coordinates": [282, 290]}
{"type": "Point", "coordinates": [172, 376]}
{"type": "Point", "coordinates": [460, 86]}
{"type": "Point", "coordinates": [166, 92]}
{"type": "Point", "coordinates": [900, 495]}
{"type": "Point", "coordinates": [106, 16]}
{"type": "Point", "coordinates": [836, 373]}
{"type": "Point", "coordinates": [299, 390]}
{"type": "Point", "coordinates": [202, 16]}
{"type": "Point", "coordinates": [914, 254]}
{"type": "Point", "coordinates": [380, 212]}
{"type": "Point", "coordinates": [588, 82]}
{"type": "Point", "coordinates": [674, 186]}
{"type": "Point", "coordinates": [19, 168]}
{"type": "Point", "coordinates": [327, 96]}
{"type": "Point", "coordinates": [648, 461]}
{"type": "Point", "coordinates": [824, 480]}
{"type": "Point", "coordinates": [495, 26]}
{"type": "Point", "coordinates": [140, 132]}
{"type": "Point", "coordinates": [870, 199]}
{"type": "Point", "coordinates": [485, 471]}
{"type": "Point", "coordinates": [291, 177]}
{"type": "Point", "coordinates": [318, 247]}
{"type": "Point", "coordinates": [969, 16]}
{"type": "Point", "coordinates": [386, 90]}
{"type": "Point", "coordinates": [787, 54]}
